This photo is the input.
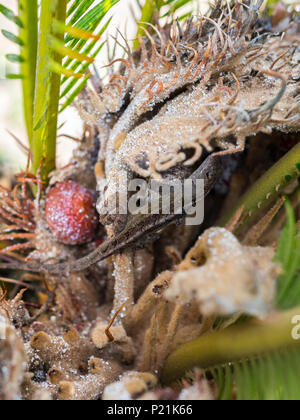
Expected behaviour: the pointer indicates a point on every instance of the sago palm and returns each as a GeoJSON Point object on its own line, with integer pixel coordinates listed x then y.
{"type": "Point", "coordinates": [105, 309]}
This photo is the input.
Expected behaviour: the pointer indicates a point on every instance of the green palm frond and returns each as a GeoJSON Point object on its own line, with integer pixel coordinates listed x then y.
{"type": "Point", "coordinates": [28, 14]}
{"type": "Point", "coordinates": [47, 88]}
{"type": "Point", "coordinates": [271, 377]}
{"type": "Point", "coordinates": [54, 62]}
{"type": "Point", "coordinates": [27, 25]}
{"type": "Point", "coordinates": [173, 6]}
{"type": "Point", "coordinates": [268, 187]}
{"type": "Point", "coordinates": [68, 45]}
{"type": "Point", "coordinates": [81, 44]}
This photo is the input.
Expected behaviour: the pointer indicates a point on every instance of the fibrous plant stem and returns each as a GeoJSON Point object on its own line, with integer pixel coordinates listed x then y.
{"type": "Point", "coordinates": [28, 13]}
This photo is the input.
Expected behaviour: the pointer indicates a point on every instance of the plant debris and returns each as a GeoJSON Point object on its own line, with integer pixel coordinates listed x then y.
{"type": "Point", "coordinates": [195, 96]}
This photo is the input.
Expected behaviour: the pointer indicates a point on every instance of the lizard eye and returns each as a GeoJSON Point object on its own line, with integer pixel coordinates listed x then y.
{"type": "Point", "coordinates": [143, 161]}
{"type": "Point", "coordinates": [209, 174]}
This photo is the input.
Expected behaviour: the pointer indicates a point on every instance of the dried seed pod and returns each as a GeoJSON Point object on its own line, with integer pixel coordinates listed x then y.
{"type": "Point", "coordinates": [204, 85]}
{"type": "Point", "coordinates": [71, 214]}
{"type": "Point", "coordinates": [131, 385]}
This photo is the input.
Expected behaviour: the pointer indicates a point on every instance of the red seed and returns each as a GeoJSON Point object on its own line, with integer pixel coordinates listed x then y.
{"type": "Point", "coordinates": [71, 213]}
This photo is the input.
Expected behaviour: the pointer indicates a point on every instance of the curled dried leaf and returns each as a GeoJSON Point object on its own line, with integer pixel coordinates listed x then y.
{"type": "Point", "coordinates": [225, 277]}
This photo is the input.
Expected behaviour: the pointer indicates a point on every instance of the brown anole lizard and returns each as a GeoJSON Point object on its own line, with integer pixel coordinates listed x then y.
{"type": "Point", "coordinates": [139, 226]}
